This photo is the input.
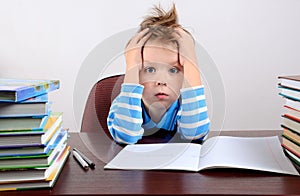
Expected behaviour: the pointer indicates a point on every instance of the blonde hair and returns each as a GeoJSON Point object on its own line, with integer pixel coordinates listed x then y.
{"type": "Point", "coordinates": [160, 17]}
{"type": "Point", "coordinates": [161, 24]}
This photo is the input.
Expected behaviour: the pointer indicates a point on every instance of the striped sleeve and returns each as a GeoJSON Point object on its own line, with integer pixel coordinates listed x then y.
{"type": "Point", "coordinates": [193, 122]}
{"type": "Point", "coordinates": [125, 120]}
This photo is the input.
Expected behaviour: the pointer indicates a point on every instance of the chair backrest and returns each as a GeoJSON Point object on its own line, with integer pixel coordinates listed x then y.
{"type": "Point", "coordinates": [98, 104]}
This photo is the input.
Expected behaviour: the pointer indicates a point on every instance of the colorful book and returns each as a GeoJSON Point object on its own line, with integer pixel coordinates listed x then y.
{"type": "Point", "coordinates": [38, 184]}
{"type": "Point", "coordinates": [292, 135]}
{"type": "Point", "coordinates": [35, 137]}
{"type": "Point", "coordinates": [291, 146]}
{"type": "Point", "coordinates": [32, 161]}
{"type": "Point", "coordinates": [25, 150]}
{"type": "Point", "coordinates": [36, 106]}
{"type": "Point", "coordinates": [290, 123]}
{"type": "Point", "coordinates": [292, 82]}
{"type": "Point", "coordinates": [23, 123]}
{"type": "Point", "coordinates": [39, 173]}
{"type": "Point", "coordinates": [293, 104]}
{"type": "Point", "coordinates": [15, 90]}
{"type": "Point", "coordinates": [291, 112]}
{"type": "Point", "coordinates": [290, 93]}
{"type": "Point", "coordinates": [292, 156]}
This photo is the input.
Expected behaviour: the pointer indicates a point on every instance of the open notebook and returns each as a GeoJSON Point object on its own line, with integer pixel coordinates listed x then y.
{"type": "Point", "coordinates": [256, 153]}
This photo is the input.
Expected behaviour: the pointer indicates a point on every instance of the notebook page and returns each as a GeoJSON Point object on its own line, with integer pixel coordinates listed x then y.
{"type": "Point", "coordinates": [177, 156]}
{"type": "Point", "coordinates": [258, 153]}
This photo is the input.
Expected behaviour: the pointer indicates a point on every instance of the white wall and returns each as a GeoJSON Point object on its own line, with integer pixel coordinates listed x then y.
{"type": "Point", "coordinates": [250, 41]}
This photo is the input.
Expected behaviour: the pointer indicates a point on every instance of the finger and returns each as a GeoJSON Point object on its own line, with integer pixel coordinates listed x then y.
{"type": "Point", "coordinates": [145, 36]}
{"type": "Point", "coordinates": [137, 37]}
{"type": "Point", "coordinates": [183, 34]}
{"type": "Point", "coordinates": [179, 32]}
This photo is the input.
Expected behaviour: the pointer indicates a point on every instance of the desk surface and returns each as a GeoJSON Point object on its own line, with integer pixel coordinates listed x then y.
{"type": "Point", "coordinates": [74, 180]}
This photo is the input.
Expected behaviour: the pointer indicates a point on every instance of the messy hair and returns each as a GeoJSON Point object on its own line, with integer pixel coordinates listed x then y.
{"type": "Point", "coordinates": [161, 24]}
{"type": "Point", "coordinates": [162, 27]}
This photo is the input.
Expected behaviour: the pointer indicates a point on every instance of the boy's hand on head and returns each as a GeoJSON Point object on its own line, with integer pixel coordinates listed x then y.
{"type": "Point", "coordinates": [187, 58]}
{"type": "Point", "coordinates": [186, 47]}
{"type": "Point", "coordinates": [133, 49]}
{"type": "Point", "coordinates": [133, 56]}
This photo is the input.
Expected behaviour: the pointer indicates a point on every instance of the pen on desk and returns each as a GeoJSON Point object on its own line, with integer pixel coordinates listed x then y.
{"type": "Point", "coordinates": [89, 162]}
{"type": "Point", "coordinates": [82, 162]}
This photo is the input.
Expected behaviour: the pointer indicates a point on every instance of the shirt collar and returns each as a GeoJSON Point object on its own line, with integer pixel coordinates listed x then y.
{"type": "Point", "coordinates": [168, 121]}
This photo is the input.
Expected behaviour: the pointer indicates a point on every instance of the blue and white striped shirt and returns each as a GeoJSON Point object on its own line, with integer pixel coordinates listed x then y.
{"type": "Point", "coordinates": [128, 120]}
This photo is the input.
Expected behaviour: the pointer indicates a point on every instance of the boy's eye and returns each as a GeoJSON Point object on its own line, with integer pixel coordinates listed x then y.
{"type": "Point", "coordinates": [174, 70]}
{"type": "Point", "coordinates": [150, 69]}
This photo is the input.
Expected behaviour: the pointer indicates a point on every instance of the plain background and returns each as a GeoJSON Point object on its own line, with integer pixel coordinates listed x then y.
{"type": "Point", "coordinates": [252, 42]}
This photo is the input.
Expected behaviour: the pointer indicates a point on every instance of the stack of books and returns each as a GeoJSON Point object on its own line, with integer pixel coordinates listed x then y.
{"type": "Point", "coordinates": [33, 144]}
{"type": "Point", "coordinates": [290, 90]}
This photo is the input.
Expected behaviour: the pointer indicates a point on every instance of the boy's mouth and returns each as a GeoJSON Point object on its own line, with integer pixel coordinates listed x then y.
{"type": "Point", "coordinates": [161, 95]}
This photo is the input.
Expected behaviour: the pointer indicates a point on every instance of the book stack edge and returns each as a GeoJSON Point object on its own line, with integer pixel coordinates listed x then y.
{"type": "Point", "coordinates": [33, 143]}
{"type": "Point", "coordinates": [289, 87]}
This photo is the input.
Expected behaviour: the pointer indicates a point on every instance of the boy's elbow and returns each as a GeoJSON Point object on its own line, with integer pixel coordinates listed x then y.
{"type": "Point", "coordinates": [120, 136]}
{"type": "Point", "coordinates": [195, 133]}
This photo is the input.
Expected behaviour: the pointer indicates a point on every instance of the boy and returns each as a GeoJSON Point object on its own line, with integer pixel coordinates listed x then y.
{"type": "Point", "coordinates": [162, 89]}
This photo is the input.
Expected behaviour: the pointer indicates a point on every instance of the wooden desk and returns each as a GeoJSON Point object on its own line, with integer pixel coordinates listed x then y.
{"type": "Point", "coordinates": [74, 180]}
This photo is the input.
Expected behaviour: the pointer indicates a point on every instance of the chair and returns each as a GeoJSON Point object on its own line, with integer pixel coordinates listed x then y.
{"type": "Point", "coordinates": [98, 104]}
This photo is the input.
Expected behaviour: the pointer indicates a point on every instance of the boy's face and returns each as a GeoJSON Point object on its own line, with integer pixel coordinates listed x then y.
{"type": "Point", "coordinates": [161, 76]}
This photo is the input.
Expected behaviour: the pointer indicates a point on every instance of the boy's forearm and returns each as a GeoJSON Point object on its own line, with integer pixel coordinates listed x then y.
{"type": "Point", "coordinates": [191, 75]}
{"type": "Point", "coordinates": [125, 115]}
{"type": "Point", "coordinates": [194, 122]}
{"type": "Point", "coordinates": [132, 75]}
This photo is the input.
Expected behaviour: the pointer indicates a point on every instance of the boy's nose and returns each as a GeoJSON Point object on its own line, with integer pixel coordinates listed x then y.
{"type": "Point", "coordinates": [161, 83]}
